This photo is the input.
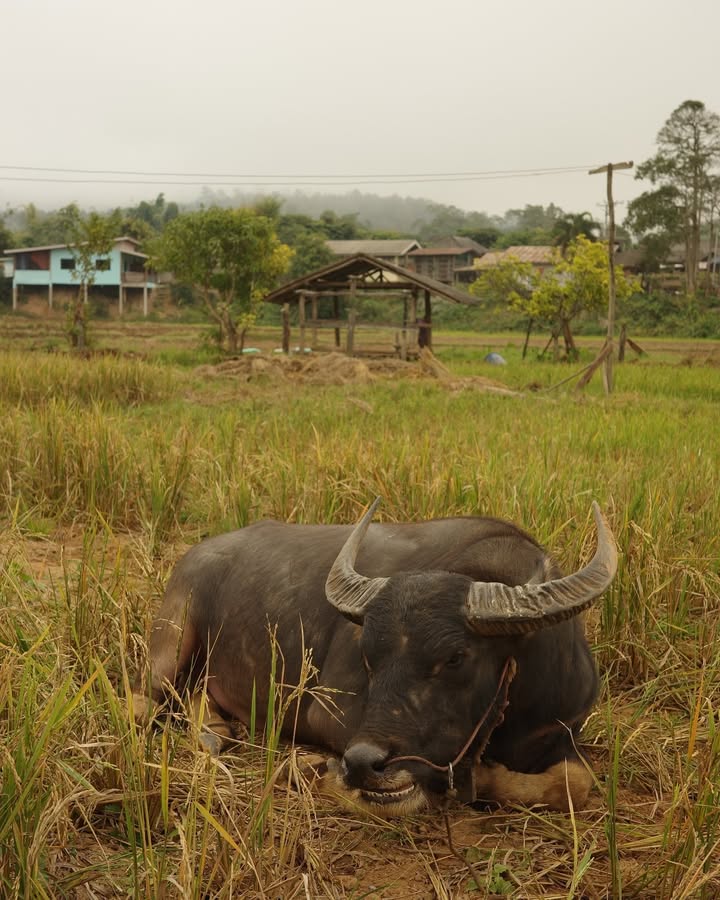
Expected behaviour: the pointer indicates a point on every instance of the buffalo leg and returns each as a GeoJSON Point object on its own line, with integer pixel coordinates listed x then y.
{"type": "Point", "coordinates": [172, 646]}
{"type": "Point", "coordinates": [560, 783]}
{"type": "Point", "coordinates": [216, 733]}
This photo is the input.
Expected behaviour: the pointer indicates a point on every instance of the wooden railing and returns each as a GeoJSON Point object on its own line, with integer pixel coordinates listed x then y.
{"type": "Point", "coordinates": [134, 277]}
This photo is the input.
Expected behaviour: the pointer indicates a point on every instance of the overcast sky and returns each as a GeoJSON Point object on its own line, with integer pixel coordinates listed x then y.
{"type": "Point", "coordinates": [321, 88]}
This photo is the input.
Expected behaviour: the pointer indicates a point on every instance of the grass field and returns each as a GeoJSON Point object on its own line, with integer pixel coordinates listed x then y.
{"type": "Point", "coordinates": [111, 466]}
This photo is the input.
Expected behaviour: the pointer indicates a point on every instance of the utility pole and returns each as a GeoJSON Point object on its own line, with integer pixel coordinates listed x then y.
{"type": "Point", "coordinates": [609, 169]}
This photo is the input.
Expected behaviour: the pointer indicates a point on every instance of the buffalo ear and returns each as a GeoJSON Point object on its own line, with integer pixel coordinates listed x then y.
{"type": "Point", "coordinates": [347, 590]}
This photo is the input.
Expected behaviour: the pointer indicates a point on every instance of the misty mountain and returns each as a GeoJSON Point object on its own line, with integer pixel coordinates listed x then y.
{"type": "Point", "coordinates": [406, 215]}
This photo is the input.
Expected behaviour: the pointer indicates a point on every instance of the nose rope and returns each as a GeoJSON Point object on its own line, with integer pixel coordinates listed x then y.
{"type": "Point", "coordinates": [508, 673]}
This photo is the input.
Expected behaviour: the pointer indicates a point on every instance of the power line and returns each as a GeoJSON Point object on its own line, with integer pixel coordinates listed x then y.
{"type": "Point", "coordinates": [160, 179]}
{"type": "Point", "coordinates": [536, 170]}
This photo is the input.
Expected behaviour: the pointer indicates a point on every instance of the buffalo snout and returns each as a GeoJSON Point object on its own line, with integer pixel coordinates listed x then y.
{"type": "Point", "coordinates": [363, 763]}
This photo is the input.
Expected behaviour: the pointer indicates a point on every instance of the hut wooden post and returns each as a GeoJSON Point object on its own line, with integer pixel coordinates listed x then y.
{"type": "Point", "coordinates": [413, 315]}
{"type": "Point", "coordinates": [301, 320]}
{"type": "Point", "coordinates": [286, 328]}
{"type": "Point", "coordinates": [313, 321]}
{"type": "Point", "coordinates": [352, 317]}
{"type": "Point", "coordinates": [403, 332]}
{"type": "Point", "coordinates": [336, 316]}
{"type": "Point", "coordinates": [403, 344]}
{"type": "Point", "coordinates": [428, 321]}
{"type": "Point", "coordinates": [351, 332]}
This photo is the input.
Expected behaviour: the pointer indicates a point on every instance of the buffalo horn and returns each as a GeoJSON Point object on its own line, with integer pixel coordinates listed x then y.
{"type": "Point", "coordinates": [497, 609]}
{"type": "Point", "coordinates": [346, 589]}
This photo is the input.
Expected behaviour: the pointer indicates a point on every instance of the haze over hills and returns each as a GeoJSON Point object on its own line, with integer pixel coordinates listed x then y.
{"type": "Point", "coordinates": [394, 213]}
{"type": "Point", "coordinates": [404, 215]}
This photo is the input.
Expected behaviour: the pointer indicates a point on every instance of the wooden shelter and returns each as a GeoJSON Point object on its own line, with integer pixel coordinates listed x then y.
{"type": "Point", "coordinates": [327, 299]}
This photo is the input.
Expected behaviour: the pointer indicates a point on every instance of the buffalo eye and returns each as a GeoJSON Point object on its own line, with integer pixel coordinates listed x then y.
{"type": "Point", "coordinates": [456, 660]}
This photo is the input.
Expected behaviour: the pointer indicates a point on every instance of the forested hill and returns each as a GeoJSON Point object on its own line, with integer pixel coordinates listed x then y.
{"type": "Point", "coordinates": [405, 215]}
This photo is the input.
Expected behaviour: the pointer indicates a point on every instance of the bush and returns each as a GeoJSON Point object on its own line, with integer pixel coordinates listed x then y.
{"type": "Point", "coordinates": [662, 313]}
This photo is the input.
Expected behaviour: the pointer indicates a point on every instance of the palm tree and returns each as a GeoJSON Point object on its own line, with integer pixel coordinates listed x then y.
{"type": "Point", "coordinates": [570, 226]}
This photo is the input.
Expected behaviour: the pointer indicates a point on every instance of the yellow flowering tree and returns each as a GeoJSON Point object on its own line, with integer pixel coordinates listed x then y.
{"type": "Point", "coordinates": [576, 283]}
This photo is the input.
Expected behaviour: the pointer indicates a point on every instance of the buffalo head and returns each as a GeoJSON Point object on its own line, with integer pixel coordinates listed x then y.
{"type": "Point", "coordinates": [434, 645]}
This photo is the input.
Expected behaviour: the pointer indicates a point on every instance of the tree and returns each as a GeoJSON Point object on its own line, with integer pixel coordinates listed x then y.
{"type": "Point", "coordinates": [35, 228]}
{"type": "Point", "coordinates": [156, 214]}
{"type": "Point", "coordinates": [577, 283]}
{"type": "Point", "coordinates": [6, 238]}
{"type": "Point", "coordinates": [688, 151]}
{"type": "Point", "coordinates": [445, 220]}
{"type": "Point", "coordinates": [310, 252]}
{"type": "Point", "coordinates": [231, 257]}
{"type": "Point", "coordinates": [486, 236]}
{"type": "Point", "coordinates": [270, 207]}
{"type": "Point", "coordinates": [712, 206]}
{"type": "Point", "coordinates": [532, 217]}
{"type": "Point", "coordinates": [88, 237]}
{"type": "Point", "coordinates": [511, 282]}
{"type": "Point", "coordinates": [657, 217]}
{"type": "Point", "coordinates": [341, 228]}
{"type": "Point", "coordinates": [448, 220]}
{"type": "Point", "coordinates": [307, 239]}
{"type": "Point", "coordinates": [572, 225]}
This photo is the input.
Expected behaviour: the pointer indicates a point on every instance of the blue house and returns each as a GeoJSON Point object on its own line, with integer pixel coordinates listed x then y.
{"type": "Point", "coordinates": [123, 269]}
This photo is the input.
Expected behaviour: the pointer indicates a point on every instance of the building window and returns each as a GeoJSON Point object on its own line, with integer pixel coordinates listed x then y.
{"type": "Point", "coordinates": [35, 261]}
{"type": "Point", "coordinates": [68, 263]}
{"type": "Point", "coordinates": [102, 265]}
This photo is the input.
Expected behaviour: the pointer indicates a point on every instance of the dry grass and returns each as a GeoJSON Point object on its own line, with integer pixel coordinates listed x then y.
{"type": "Point", "coordinates": [108, 468]}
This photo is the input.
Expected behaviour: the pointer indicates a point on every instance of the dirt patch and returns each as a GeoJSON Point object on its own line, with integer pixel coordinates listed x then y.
{"type": "Point", "coordinates": [338, 369]}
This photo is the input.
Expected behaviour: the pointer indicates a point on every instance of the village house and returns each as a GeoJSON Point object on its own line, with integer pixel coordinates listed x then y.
{"type": "Point", "coordinates": [540, 258]}
{"type": "Point", "coordinates": [51, 269]}
{"type": "Point", "coordinates": [443, 259]}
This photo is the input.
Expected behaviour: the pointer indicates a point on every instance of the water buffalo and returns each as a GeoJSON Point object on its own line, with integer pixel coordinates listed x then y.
{"type": "Point", "coordinates": [415, 646]}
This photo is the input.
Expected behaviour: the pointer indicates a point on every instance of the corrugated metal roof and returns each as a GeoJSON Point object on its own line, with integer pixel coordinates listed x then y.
{"type": "Point", "coordinates": [362, 264]}
{"type": "Point", "coordinates": [459, 240]}
{"type": "Point", "coordinates": [491, 258]}
{"type": "Point", "coordinates": [537, 256]}
{"type": "Point", "coordinates": [64, 246]}
{"type": "Point", "coordinates": [543, 255]}
{"type": "Point", "coordinates": [374, 247]}
{"type": "Point", "coordinates": [439, 251]}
